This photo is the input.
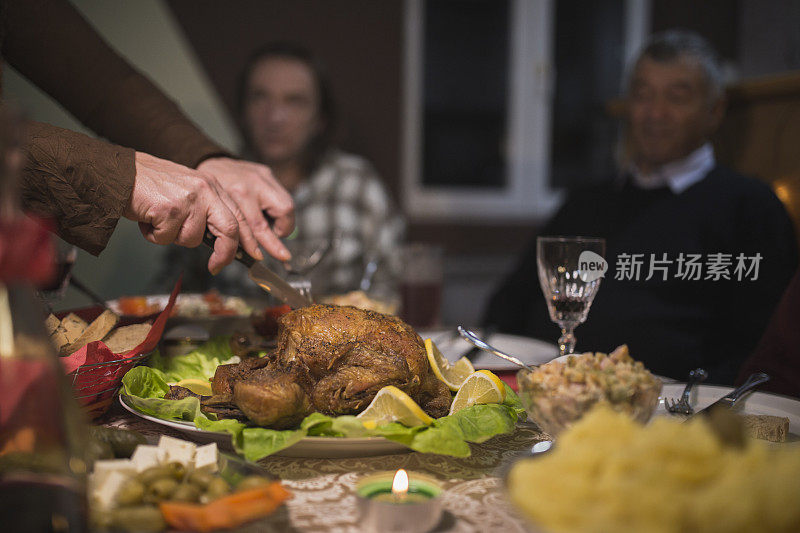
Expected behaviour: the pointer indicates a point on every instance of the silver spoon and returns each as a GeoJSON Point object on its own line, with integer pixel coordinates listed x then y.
{"type": "Point", "coordinates": [469, 336]}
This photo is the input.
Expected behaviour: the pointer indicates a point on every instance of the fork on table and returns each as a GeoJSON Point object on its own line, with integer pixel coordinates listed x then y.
{"type": "Point", "coordinates": [682, 406]}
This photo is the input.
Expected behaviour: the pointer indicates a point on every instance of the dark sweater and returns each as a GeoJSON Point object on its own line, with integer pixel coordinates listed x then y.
{"type": "Point", "coordinates": [778, 352]}
{"type": "Point", "coordinates": [675, 325]}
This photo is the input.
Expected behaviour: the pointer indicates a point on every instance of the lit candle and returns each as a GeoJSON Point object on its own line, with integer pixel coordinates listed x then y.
{"type": "Point", "coordinates": [400, 486]}
{"type": "Point", "coordinates": [399, 502]}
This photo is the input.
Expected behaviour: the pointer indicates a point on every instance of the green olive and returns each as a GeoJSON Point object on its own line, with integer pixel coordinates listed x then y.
{"type": "Point", "coordinates": [216, 489]}
{"type": "Point", "coordinates": [131, 493]}
{"type": "Point", "coordinates": [161, 489]}
{"type": "Point", "coordinates": [186, 493]}
{"type": "Point", "coordinates": [178, 470]}
{"type": "Point", "coordinates": [154, 473]}
{"type": "Point", "coordinates": [123, 442]}
{"type": "Point", "coordinates": [140, 518]}
{"type": "Point", "coordinates": [96, 450]}
{"type": "Point", "coordinates": [200, 479]}
{"type": "Point", "coordinates": [251, 482]}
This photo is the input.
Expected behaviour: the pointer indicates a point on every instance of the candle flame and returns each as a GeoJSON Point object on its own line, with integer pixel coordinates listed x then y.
{"type": "Point", "coordinates": [400, 483]}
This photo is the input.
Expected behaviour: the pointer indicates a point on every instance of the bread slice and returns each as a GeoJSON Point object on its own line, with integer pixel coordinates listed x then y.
{"type": "Point", "coordinates": [127, 337]}
{"type": "Point", "coordinates": [57, 334]}
{"type": "Point", "coordinates": [65, 332]}
{"type": "Point", "coordinates": [766, 427]}
{"type": "Point", "coordinates": [98, 329]}
{"type": "Point", "coordinates": [51, 324]}
{"type": "Point", "coordinates": [73, 326]}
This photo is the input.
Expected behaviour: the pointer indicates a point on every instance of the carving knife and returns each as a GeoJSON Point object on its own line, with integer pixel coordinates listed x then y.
{"type": "Point", "coordinates": [264, 277]}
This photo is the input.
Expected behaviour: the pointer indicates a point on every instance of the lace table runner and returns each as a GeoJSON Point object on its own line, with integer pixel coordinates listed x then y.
{"type": "Point", "coordinates": [324, 497]}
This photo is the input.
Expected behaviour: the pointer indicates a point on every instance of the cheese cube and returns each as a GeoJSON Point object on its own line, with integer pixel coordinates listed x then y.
{"type": "Point", "coordinates": [177, 450]}
{"type": "Point", "coordinates": [102, 469]}
{"type": "Point", "coordinates": [146, 456]}
{"type": "Point", "coordinates": [106, 492]}
{"type": "Point", "coordinates": [206, 457]}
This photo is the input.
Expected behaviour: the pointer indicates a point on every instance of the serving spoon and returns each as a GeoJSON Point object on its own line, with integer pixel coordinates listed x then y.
{"type": "Point", "coordinates": [470, 337]}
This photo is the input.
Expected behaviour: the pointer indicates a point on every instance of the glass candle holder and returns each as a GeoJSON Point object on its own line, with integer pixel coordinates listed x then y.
{"type": "Point", "coordinates": [417, 509]}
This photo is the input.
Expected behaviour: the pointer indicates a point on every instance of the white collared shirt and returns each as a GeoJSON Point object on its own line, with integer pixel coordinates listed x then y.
{"type": "Point", "coordinates": [678, 175]}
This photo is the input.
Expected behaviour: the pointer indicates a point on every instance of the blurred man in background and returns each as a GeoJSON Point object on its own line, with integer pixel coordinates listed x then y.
{"type": "Point", "coordinates": [698, 255]}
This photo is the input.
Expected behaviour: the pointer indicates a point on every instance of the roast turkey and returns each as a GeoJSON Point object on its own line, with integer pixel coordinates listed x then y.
{"type": "Point", "coordinates": [331, 359]}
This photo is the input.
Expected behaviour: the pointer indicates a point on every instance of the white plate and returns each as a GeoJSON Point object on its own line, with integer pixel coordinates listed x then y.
{"type": "Point", "coordinates": [213, 324]}
{"type": "Point", "coordinates": [757, 403]}
{"type": "Point", "coordinates": [312, 447]}
{"type": "Point", "coordinates": [188, 299]}
{"type": "Point", "coordinates": [530, 351]}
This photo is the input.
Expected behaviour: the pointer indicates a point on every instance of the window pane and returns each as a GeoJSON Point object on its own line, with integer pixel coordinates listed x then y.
{"type": "Point", "coordinates": [466, 62]}
{"type": "Point", "coordinates": [588, 56]}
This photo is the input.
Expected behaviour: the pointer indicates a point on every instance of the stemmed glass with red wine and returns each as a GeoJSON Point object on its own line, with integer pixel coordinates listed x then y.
{"type": "Point", "coordinates": [570, 271]}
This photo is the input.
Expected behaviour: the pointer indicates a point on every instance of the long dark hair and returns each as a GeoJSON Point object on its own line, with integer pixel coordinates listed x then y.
{"type": "Point", "coordinates": [323, 140]}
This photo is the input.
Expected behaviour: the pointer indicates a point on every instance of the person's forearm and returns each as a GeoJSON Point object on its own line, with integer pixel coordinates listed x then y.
{"type": "Point", "coordinates": [81, 183]}
{"type": "Point", "coordinates": [50, 43]}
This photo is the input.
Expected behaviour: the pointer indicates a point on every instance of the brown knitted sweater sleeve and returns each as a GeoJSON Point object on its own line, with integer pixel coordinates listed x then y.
{"type": "Point", "coordinates": [83, 184]}
{"type": "Point", "coordinates": [51, 44]}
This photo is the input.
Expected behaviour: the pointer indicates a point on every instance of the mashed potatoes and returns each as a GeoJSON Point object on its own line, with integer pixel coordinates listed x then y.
{"type": "Point", "coordinates": [608, 473]}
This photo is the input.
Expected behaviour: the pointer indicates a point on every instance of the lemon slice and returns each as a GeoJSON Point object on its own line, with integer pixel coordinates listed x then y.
{"type": "Point", "coordinates": [453, 374]}
{"type": "Point", "coordinates": [197, 386]}
{"type": "Point", "coordinates": [393, 405]}
{"type": "Point", "coordinates": [480, 387]}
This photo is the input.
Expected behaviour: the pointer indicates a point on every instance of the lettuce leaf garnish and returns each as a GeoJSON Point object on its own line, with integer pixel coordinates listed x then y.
{"type": "Point", "coordinates": [198, 364]}
{"type": "Point", "coordinates": [145, 387]}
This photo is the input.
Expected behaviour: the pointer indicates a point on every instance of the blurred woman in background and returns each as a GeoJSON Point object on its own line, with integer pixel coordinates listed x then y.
{"type": "Point", "coordinates": [342, 210]}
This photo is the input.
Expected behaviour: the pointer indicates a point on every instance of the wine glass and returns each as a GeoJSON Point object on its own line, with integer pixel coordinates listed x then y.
{"type": "Point", "coordinates": [307, 254]}
{"type": "Point", "coordinates": [570, 271]}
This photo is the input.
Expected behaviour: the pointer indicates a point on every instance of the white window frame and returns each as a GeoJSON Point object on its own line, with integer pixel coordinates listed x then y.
{"type": "Point", "coordinates": [527, 196]}
{"type": "Point", "coordinates": [637, 28]}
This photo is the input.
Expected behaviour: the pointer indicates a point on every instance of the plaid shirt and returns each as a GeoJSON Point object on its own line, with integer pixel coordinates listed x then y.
{"type": "Point", "coordinates": [343, 202]}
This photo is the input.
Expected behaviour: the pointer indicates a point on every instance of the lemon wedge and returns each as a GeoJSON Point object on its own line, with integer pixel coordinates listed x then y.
{"type": "Point", "coordinates": [393, 405]}
{"type": "Point", "coordinates": [197, 386]}
{"type": "Point", "coordinates": [479, 388]}
{"type": "Point", "coordinates": [453, 374]}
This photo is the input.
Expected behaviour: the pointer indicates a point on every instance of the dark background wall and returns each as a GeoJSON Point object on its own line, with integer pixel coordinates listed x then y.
{"type": "Point", "coordinates": [360, 41]}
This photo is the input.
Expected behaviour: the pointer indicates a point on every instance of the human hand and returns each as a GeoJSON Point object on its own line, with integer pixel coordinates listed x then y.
{"type": "Point", "coordinates": [174, 204]}
{"type": "Point", "coordinates": [254, 189]}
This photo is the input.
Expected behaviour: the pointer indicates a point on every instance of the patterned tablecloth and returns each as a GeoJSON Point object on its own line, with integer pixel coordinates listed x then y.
{"type": "Point", "coordinates": [323, 490]}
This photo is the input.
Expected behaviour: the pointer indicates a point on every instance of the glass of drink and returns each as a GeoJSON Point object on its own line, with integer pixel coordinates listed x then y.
{"type": "Point", "coordinates": [309, 269]}
{"type": "Point", "coordinates": [421, 284]}
{"type": "Point", "coordinates": [570, 271]}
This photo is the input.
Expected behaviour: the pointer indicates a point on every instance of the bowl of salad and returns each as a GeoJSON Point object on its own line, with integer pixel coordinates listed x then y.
{"type": "Point", "coordinates": [558, 394]}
